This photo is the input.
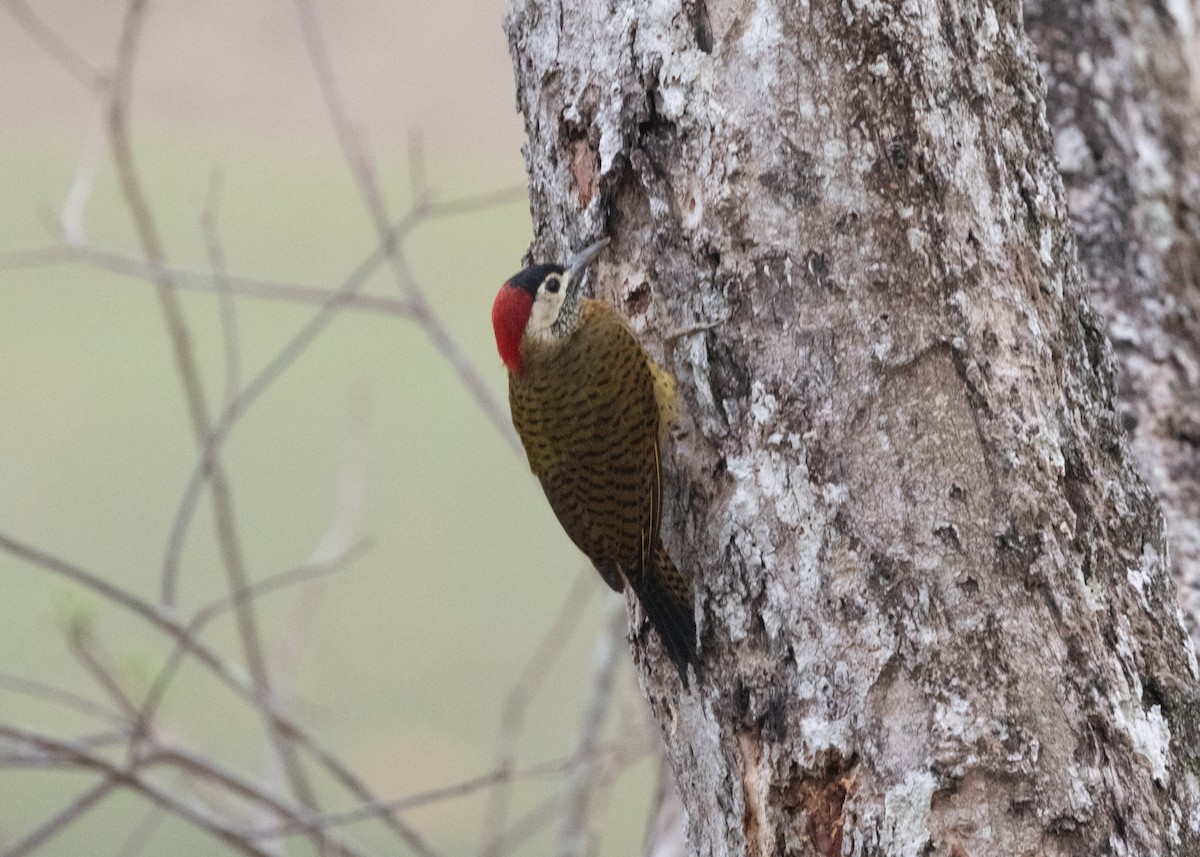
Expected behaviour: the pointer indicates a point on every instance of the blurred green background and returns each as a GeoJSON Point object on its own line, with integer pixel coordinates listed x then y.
{"type": "Point", "coordinates": [401, 661]}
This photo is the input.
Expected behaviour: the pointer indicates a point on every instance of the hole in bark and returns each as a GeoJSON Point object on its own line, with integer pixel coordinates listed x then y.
{"type": "Point", "coordinates": [817, 267]}
{"type": "Point", "coordinates": [1032, 220]}
{"type": "Point", "coordinates": [1184, 426]}
{"type": "Point", "coordinates": [729, 380]}
{"type": "Point", "coordinates": [697, 13]}
{"type": "Point", "coordinates": [817, 798]}
{"type": "Point", "coordinates": [1152, 692]}
{"type": "Point", "coordinates": [741, 701]}
{"type": "Point", "coordinates": [637, 301]}
{"type": "Point", "coordinates": [584, 169]}
{"type": "Point", "coordinates": [948, 534]}
{"type": "Point", "coordinates": [883, 568]}
{"type": "Point", "coordinates": [774, 721]}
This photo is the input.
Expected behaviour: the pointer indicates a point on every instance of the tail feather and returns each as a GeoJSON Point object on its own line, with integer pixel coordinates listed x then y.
{"type": "Point", "coordinates": [666, 596]}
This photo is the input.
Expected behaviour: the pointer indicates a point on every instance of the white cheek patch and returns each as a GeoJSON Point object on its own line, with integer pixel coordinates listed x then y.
{"type": "Point", "coordinates": [544, 313]}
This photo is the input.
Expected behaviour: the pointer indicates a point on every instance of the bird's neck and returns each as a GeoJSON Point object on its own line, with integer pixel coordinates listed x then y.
{"type": "Point", "coordinates": [569, 317]}
{"type": "Point", "coordinates": [542, 348]}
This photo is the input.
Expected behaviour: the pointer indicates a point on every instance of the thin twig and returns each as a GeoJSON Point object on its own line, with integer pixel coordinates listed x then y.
{"type": "Point", "coordinates": [228, 673]}
{"type": "Point", "coordinates": [54, 45]}
{"type": "Point", "coordinates": [132, 778]}
{"type": "Point", "coordinates": [236, 785]}
{"type": "Point", "coordinates": [228, 310]}
{"type": "Point", "coordinates": [356, 787]}
{"type": "Point", "coordinates": [530, 824]}
{"type": "Point", "coordinates": [303, 574]}
{"type": "Point", "coordinates": [368, 185]}
{"type": "Point", "coordinates": [578, 832]}
{"type": "Point", "coordinates": [184, 760]}
{"type": "Point", "coordinates": [477, 202]}
{"type": "Point", "coordinates": [664, 835]}
{"type": "Point", "coordinates": [100, 84]}
{"type": "Point", "coordinates": [40, 690]}
{"type": "Point", "coordinates": [140, 833]}
{"type": "Point", "coordinates": [207, 466]}
{"type": "Point", "coordinates": [249, 287]}
{"type": "Point", "coordinates": [193, 388]}
{"type": "Point", "coordinates": [621, 754]}
{"type": "Point", "coordinates": [43, 760]}
{"type": "Point", "coordinates": [425, 798]}
{"type": "Point", "coordinates": [87, 651]}
{"type": "Point", "coordinates": [518, 700]}
{"type": "Point", "coordinates": [85, 179]}
{"type": "Point", "coordinates": [67, 815]}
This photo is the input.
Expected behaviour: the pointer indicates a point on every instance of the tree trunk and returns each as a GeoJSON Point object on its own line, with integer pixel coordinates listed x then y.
{"type": "Point", "coordinates": [1127, 135]}
{"type": "Point", "coordinates": [935, 610]}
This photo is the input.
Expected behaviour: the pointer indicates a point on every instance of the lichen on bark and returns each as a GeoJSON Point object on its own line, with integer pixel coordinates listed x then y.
{"type": "Point", "coordinates": [932, 588]}
{"type": "Point", "coordinates": [1127, 137]}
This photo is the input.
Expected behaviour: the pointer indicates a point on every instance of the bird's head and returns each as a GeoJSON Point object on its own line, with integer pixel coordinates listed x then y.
{"type": "Point", "coordinates": [541, 302]}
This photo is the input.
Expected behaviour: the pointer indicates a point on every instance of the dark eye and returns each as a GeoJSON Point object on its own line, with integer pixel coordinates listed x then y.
{"type": "Point", "coordinates": [553, 284]}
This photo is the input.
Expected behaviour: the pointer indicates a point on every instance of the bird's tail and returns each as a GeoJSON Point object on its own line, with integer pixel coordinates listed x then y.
{"type": "Point", "coordinates": [666, 596]}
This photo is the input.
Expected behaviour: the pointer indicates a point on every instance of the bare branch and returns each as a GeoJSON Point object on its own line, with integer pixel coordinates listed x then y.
{"type": "Point", "coordinates": [206, 614]}
{"type": "Point", "coordinates": [44, 760]}
{"type": "Point", "coordinates": [139, 834]}
{"type": "Point", "coordinates": [53, 44]}
{"type": "Point", "coordinates": [85, 179]}
{"type": "Point", "coordinates": [228, 311]}
{"type": "Point", "coordinates": [226, 671]}
{"type": "Point", "coordinates": [176, 757]}
{"type": "Point", "coordinates": [664, 829]}
{"type": "Point", "coordinates": [356, 156]}
{"type": "Point", "coordinates": [234, 784]}
{"type": "Point", "coordinates": [356, 787]}
{"type": "Point", "coordinates": [230, 675]}
{"type": "Point", "coordinates": [250, 287]}
{"type": "Point", "coordinates": [530, 824]}
{"type": "Point", "coordinates": [253, 287]}
{"type": "Point", "coordinates": [477, 202]}
{"type": "Point", "coordinates": [520, 696]}
{"type": "Point", "coordinates": [68, 814]}
{"type": "Point", "coordinates": [93, 142]}
{"type": "Point", "coordinates": [364, 173]}
{"type": "Point", "coordinates": [425, 798]}
{"type": "Point", "coordinates": [578, 833]}
{"type": "Point", "coordinates": [40, 690]}
{"type": "Point", "coordinates": [207, 467]}
{"type": "Point", "coordinates": [87, 651]}
{"type": "Point", "coordinates": [196, 815]}
{"type": "Point", "coordinates": [189, 375]}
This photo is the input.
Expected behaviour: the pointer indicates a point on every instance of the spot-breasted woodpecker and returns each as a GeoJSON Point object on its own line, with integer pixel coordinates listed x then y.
{"type": "Point", "coordinates": [593, 411]}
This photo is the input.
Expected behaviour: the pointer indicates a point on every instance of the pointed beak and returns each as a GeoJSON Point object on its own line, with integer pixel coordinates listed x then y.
{"type": "Point", "coordinates": [583, 258]}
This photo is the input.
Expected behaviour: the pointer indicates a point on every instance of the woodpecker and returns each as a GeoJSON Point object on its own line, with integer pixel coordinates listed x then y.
{"type": "Point", "coordinates": [593, 411]}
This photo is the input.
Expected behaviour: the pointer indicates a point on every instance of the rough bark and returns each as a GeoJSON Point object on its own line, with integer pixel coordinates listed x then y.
{"type": "Point", "coordinates": [1127, 135]}
{"type": "Point", "coordinates": [936, 614]}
